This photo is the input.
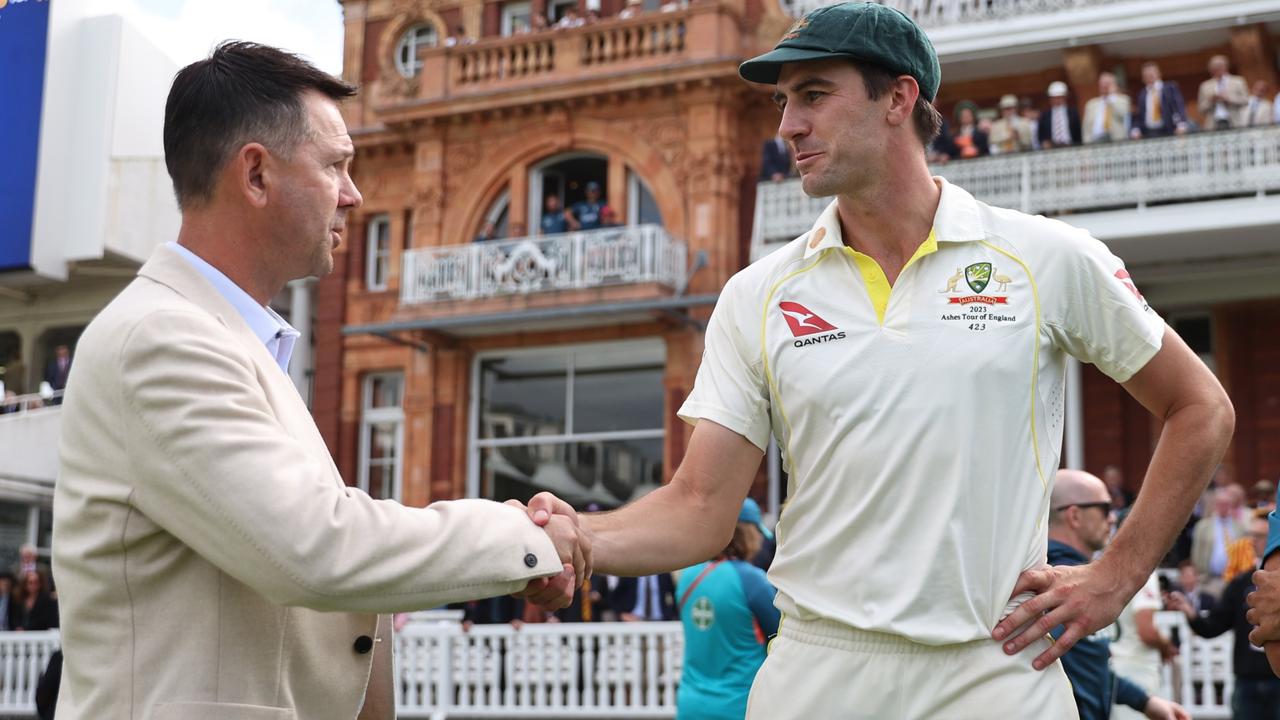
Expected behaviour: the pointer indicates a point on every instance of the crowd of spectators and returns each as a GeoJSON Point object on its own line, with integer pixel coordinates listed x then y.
{"type": "Point", "coordinates": [28, 600]}
{"type": "Point", "coordinates": [1016, 125]}
{"type": "Point", "coordinates": [1157, 109]}
{"type": "Point", "coordinates": [13, 382]}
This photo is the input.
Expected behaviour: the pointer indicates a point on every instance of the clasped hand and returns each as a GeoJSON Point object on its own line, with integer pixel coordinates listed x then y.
{"type": "Point", "coordinates": [560, 521]}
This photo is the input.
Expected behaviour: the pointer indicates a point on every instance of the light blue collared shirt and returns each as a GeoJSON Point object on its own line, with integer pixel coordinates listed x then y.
{"type": "Point", "coordinates": [278, 335]}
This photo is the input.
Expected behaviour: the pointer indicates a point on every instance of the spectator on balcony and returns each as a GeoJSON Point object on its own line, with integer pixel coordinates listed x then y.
{"type": "Point", "coordinates": [968, 141]}
{"type": "Point", "coordinates": [633, 9]}
{"type": "Point", "coordinates": [9, 404]}
{"type": "Point", "coordinates": [1060, 124]}
{"type": "Point", "coordinates": [939, 149]}
{"type": "Point", "coordinates": [775, 160]}
{"type": "Point", "coordinates": [554, 220]}
{"type": "Point", "coordinates": [1029, 112]}
{"type": "Point", "coordinates": [648, 598]}
{"type": "Point", "coordinates": [1011, 133]}
{"type": "Point", "coordinates": [1224, 98]}
{"type": "Point", "coordinates": [7, 582]}
{"type": "Point", "coordinates": [538, 23]}
{"type": "Point", "coordinates": [58, 369]}
{"type": "Point", "coordinates": [585, 214]}
{"type": "Point", "coordinates": [1263, 494]}
{"type": "Point", "coordinates": [673, 5]}
{"type": "Point", "coordinates": [1260, 110]}
{"type": "Point", "coordinates": [1211, 538]}
{"type": "Point", "coordinates": [572, 18]}
{"type": "Point", "coordinates": [726, 607]}
{"type": "Point", "coordinates": [609, 217]}
{"type": "Point", "coordinates": [1257, 693]}
{"type": "Point", "coordinates": [29, 561]}
{"type": "Point", "coordinates": [15, 373]}
{"type": "Point", "coordinates": [1107, 116]}
{"type": "Point", "coordinates": [593, 16]}
{"type": "Point", "coordinates": [489, 231]}
{"type": "Point", "coordinates": [1159, 109]}
{"type": "Point", "coordinates": [32, 608]}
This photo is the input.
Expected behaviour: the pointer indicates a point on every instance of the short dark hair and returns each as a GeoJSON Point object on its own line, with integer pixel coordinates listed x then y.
{"type": "Point", "coordinates": [243, 92]}
{"type": "Point", "coordinates": [879, 80]}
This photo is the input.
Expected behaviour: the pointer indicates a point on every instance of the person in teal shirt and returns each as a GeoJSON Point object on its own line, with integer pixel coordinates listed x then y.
{"type": "Point", "coordinates": [726, 607]}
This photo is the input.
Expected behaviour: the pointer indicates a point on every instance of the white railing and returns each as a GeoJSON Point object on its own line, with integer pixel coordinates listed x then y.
{"type": "Point", "coordinates": [585, 670]}
{"type": "Point", "coordinates": [591, 258]}
{"type": "Point", "coordinates": [937, 13]}
{"type": "Point", "coordinates": [1091, 177]}
{"type": "Point", "coordinates": [23, 658]}
{"type": "Point", "coordinates": [558, 670]}
{"type": "Point", "coordinates": [1202, 666]}
{"type": "Point", "coordinates": [22, 404]}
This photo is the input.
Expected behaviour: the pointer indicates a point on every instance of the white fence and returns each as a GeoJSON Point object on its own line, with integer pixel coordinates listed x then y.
{"type": "Point", "coordinates": [937, 13]}
{"type": "Point", "coordinates": [584, 670]}
{"type": "Point", "coordinates": [1091, 177]}
{"type": "Point", "coordinates": [591, 258]}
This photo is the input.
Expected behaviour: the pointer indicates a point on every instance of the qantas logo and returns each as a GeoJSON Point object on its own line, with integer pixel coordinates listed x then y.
{"type": "Point", "coordinates": [804, 322]}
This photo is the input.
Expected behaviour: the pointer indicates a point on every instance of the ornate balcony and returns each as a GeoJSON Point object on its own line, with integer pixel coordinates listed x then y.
{"type": "Point", "coordinates": [570, 261]}
{"type": "Point", "coordinates": [696, 42]}
{"type": "Point", "coordinates": [1134, 174]}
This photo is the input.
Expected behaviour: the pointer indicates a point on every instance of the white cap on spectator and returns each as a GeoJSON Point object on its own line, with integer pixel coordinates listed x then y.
{"type": "Point", "coordinates": [1057, 88]}
{"type": "Point", "coordinates": [1008, 101]}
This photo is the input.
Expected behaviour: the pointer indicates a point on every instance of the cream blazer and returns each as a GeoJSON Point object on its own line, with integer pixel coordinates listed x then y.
{"type": "Point", "coordinates": [211, 563]}
{"type": "Point", "coordinates": [1237, 94]}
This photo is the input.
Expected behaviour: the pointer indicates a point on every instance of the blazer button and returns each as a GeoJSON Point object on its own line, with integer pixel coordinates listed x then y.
{"type": "Point", "coordinates": [364, 644]}
{"type": "Point", "coordinates": [531, 560]}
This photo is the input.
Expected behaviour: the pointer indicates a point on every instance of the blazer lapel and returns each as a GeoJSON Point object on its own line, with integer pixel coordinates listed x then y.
{"type": "Point", "coordinates": [170, 269]}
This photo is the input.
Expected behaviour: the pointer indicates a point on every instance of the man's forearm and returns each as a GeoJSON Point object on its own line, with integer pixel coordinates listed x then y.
{"type": "Point", "coordinates": [1191, 444]}
{"type": "Point", "coordinates": [670, 528]}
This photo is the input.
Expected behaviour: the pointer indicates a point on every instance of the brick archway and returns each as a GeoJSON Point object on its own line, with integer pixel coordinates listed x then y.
{"type": "Point", "coordinates": [587, 135]}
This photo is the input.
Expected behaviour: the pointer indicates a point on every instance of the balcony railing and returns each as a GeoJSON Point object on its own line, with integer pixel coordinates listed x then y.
{"type": "Point", "coordinates": [582, 670]}
{"type": "Point", "coordinates": [1092, 177]}
{"type": "Point", "coordinates": [569, 261]}
{"type": "Point", "coordinates": [939, 13]}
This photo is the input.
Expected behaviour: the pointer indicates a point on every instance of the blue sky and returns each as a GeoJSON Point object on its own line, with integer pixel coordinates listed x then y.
{"type": "Point", "coordinates": [186, 29]}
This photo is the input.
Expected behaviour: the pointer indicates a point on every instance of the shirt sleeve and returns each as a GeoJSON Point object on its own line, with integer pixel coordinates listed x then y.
{"type": "Point", "coordinates": [760, 594]}
{"type": "Point", "coordinates": [730, 388]}
{"type": "Point", "coordinates": [1094, 310]}
{"type": "Point", "coordinates": [1131, 694]}
{"type": "Point", "coordinates": [1273, 540]}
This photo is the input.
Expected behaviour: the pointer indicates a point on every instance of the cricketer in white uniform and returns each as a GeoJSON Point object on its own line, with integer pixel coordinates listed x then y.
{"type": "Point", "coordinates": [909, 355]}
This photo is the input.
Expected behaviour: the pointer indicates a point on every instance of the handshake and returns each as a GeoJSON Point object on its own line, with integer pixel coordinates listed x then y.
{"type": "Point", "coordinates": [573, 545]}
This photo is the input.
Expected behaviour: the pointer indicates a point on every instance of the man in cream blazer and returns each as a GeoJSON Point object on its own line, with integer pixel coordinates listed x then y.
{"type": "Point", "coordinates": [1106, 117]}
{"type": "Point", "coordinates": [211, 563]}
{"type": "Point", "coordinates": [1224, 98]}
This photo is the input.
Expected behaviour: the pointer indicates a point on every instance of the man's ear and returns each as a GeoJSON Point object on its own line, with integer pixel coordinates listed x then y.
{"type": "Point", "coordinates": [903, 96]}
{"type": "Point", "coordinates": [250, 169]}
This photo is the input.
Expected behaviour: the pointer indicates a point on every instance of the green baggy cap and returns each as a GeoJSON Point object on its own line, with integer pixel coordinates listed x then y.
{"type": "Point", "coordinates": [864, 31]}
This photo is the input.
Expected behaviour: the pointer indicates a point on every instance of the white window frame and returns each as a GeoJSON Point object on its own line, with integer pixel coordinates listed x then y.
{"type": "Point", "coordinates": [476, 445]}
{"type": "Point", "coordinates": [512, 11]}
{"type": "Point", "coordinates": [409, 38]}
{"type": "Point", "coordinates": [377, 241]}
{"type": "Point", "coordinates": [370, 416]}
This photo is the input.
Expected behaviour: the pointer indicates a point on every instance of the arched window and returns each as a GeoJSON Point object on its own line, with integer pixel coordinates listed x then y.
{"type": "Point", "coordinates": [423, 35]}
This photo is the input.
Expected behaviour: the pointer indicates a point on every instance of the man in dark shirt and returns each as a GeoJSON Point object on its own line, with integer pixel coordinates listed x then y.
{"type": "Point", "coordinates": [1257, 693]}
{"type": "Point", "coordinates": [553, 220]}
{"type": "Point", "coordinates": [1080, 521]}
{"type": "Point", "coordinates": [585, 214]}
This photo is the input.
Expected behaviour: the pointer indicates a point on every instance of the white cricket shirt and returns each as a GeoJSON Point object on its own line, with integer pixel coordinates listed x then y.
{"type": "Point", "coordinates": [920, 425]}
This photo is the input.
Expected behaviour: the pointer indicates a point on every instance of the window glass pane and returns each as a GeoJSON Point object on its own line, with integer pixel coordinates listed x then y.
{"type": "Point", "coordinates": [607, 474]}
{"type": "Point", "coordinates": [648, 212]}
{"type": "Point", "coordinates": [384, 391]}
{"type": "Point", "coordinates": [618, 389]}
{"type": "Point", "coordinates": [13, 532]}
{"type": "Point", "coordinates": [523, 395]}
